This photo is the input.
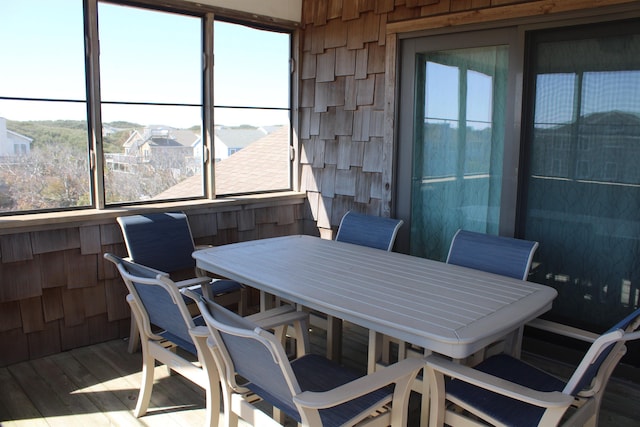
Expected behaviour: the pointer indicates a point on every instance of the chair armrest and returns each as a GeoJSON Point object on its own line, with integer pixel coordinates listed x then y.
{"type": "Point", "coordinates": [563, 330]}
{"type": "Point", "coordinates": [199, 332]}
{"type": "Point", "coordinates": [553, 399]}
{"type": "Point", "coordinates": [193, 282]}
{"type": "Point", "coordinates": [405, 370]}
{"type": "Point", "coordinates": [265, 314]}
{"type": "Point", "coordinates": [284, 315]}
{"type": "Point", "coordinates": [160, 272]}
{"type": "Point", "coordinates": [200, 247]}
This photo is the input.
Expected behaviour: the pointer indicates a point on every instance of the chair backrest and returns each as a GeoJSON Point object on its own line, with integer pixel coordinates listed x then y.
{"type": "Point", "coordinates": [594, 370]}
{"type": "Point", "coordinates": [254, 354]}
{"type": "Point", "coordinates": [159, 240]}
{"type": "Point", "coordinates": [506, 256]}
{"type": "Point", "coordinates": [368, 230]}
{"type": "Point", "coordinates": [159, 300]}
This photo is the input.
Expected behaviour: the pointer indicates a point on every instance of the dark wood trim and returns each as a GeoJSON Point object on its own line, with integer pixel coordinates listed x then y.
{"type": "Point", "coordinates": [198, 9]}
{"type": "Point", "coordinates": [499, 13]}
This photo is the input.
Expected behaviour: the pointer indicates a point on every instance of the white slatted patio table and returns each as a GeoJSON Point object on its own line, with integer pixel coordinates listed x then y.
{"type": "Point", "coordinates": [447, 309]}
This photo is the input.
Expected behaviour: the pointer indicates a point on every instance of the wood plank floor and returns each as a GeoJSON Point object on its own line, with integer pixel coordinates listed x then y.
{"type": "Point", "coordinates": [98, 386]}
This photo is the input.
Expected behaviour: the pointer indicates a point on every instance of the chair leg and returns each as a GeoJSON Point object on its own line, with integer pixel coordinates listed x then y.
{"type": "Point", "coordinates": [144, 396]}
{"type": "Point", "coordinates": [278, 415]}
{"type": "Point", "coordinates": [299, 334]}
{"type": "Point", "coordinates": [302, 337]}
{"type": "Point", "coordinates": [212, 382]}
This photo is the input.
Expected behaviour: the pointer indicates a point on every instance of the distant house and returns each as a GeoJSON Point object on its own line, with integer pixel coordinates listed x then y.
{"type": "Point", "coordinates": [108, 130]}
{"type": "Point", "coordinates": [180, 147]}
{"type": "Point", "coordinates": [230, 140]}
{"type": "Point", "coordinates": [157, 140]}
{"type": "Point", "coordinates": [174, 148]}
{"type": "Point", "coordinates": [12, 143]}
{"type": "Point", "coordinates": [266, 161]}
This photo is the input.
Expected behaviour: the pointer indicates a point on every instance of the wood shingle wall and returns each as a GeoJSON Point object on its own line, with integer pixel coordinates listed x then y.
{"type": "Point", "coordinates": [58, 293]}
{"type": "Point", "coordinates": [347, 94]}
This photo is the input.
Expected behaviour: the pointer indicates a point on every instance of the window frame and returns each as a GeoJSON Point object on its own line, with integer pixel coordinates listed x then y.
{"type": "Point", "coordinates": [95, 144]}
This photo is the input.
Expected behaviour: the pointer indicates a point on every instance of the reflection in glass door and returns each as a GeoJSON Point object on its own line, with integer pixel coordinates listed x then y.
{"type": "Point", "coordinates": [583, 183]}
{"type": "Point", "coordinates": [458, 145]}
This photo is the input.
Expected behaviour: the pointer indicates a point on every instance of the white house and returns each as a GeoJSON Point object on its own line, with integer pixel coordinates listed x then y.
{"type": "Point", "coordinates": [12, 143]}
{"type": "Point", "coordinates": [229, 140]}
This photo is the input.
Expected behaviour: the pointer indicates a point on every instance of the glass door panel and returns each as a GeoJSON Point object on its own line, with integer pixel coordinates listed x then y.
{"type": "Point", "coordinates": [583, 185]}
{"type": "Point", "coordinates": [458, 145]}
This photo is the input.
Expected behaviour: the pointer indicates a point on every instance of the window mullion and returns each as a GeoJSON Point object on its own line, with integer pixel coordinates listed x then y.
{"type": "Point", "coordinates": [207, 97]}
{"type": "Point", "coordinates": [92, 49]}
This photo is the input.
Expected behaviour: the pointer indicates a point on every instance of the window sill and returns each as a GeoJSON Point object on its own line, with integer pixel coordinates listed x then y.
{"type": "Point", "coordinates": [56, 220]}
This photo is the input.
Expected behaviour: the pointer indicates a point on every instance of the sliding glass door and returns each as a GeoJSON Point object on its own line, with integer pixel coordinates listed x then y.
{"type": "Point", "coordinates": [551, 156]}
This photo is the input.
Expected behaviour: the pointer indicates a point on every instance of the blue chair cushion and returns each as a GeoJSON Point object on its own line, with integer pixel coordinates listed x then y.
{"type": "Point", "coordinates": [159, 240]}
{"type": "Point", "coordinates": [494, 254]}
{"type": "Point", "coordinates": [506, 410]}
{"type": "Point", "coordinates": [180, 342]}
{"type": "Point", "coordinates": [368, 230]}
{"type": "Point", "coordinates": [316, 373]}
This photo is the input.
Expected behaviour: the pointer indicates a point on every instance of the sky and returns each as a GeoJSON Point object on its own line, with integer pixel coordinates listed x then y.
{"type": "Point", "coordinates": [144, 57]}
{"type": "Point", "coordinates": [442, 99]}
{"type": "Point", "coordinates": [557, 101]}
{"type": "Point", "coordinates": [602, 91]}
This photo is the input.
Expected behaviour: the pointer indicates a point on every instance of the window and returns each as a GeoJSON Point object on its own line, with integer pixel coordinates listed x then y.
{"type": "Point", "coordinates": [151, 90]}
{"type": "Point", "coordinates": [251, 109]}
{"type": "Point", "coordinates": [44, 139]}
{"type": "Point", "coordinates": [148, 93]}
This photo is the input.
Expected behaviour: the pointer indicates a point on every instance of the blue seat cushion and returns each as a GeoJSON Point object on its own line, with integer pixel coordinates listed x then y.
{"type": "Point", "coordinates": [182, 343]}
{"type": "Point", "coordinates": [316, 373]}
{"type": "Point", "coordinates": [504, 409]}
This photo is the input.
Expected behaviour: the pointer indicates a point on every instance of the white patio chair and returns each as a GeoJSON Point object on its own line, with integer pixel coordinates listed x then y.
{"type": "Point", "coordinates": [165, 324]}
{"type": "Point", "coordinates": [163, 241]}
{"type": "Point", "coordinates": [503, 390]}
{"type": "Point", "coordinates": [311, 390]}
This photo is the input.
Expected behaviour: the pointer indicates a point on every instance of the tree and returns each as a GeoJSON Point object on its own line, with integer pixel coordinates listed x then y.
{"type": "Point", "coordinates": [51, 177]}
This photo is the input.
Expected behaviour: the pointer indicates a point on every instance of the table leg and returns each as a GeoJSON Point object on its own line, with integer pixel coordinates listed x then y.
{"type": "Point", "coordinates": [374, 351]}
{"type": "Point", "coordinates": [334, 338]}
{"type": "Point", "coordinates": [513, 343]}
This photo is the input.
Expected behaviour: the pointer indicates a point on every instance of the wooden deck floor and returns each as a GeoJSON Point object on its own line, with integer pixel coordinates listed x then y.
{"type": "Point", "coordinates": [98, 386]}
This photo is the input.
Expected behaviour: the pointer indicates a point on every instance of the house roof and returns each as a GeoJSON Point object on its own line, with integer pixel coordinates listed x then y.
{"type": "Point", "coordinates": [164, 136]}
{"type": "Point", "coordinates": [16, 135]}
{"type": "Point", "coordinates": [263, 165]}
{"type": "Point", "coordinates": [239, 137]}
